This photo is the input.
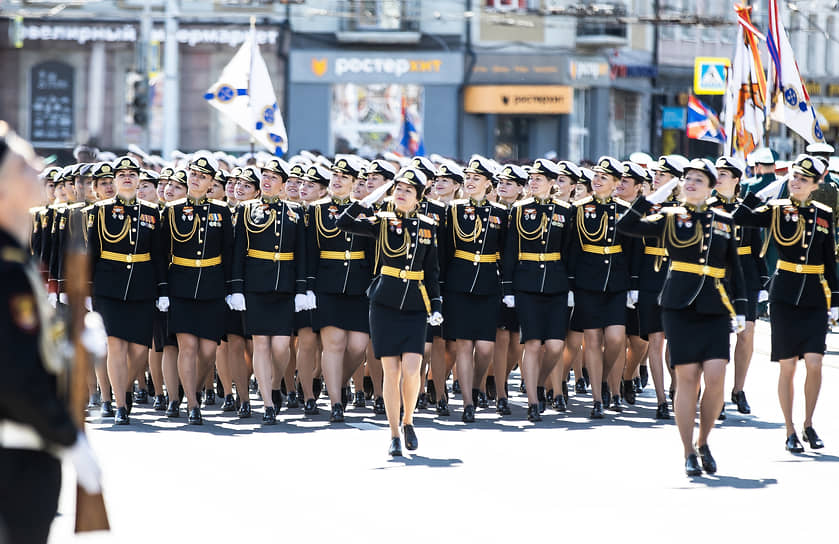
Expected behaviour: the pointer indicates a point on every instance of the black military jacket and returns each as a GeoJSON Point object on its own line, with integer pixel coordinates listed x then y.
{"type": "Point", "coordinates": [125, 246]}
{"type": "Point", "coordinates": [749, 245]}
{"type": "Point", "coordinates": [599, 257]}
{"type": "Point", "coordinates": [269, 253]}
{"type": "Point", "coordinates": [404, 243]}
{"type": "Point", "coordinates": [198, 237]}
{"type": "Point", "coordinates": [36, 239]}
{"type": "Point", "coordinates": [70, 231]}
{"type": "Point", "coordinates": [338, 262]}
{"type": "Point", "coordinates": [471, 245]}
{"type": "Point", "coordinates": [28, 391]}
{"type": "Point", "coordinates": [700, 237]}
{"type": "Point", "coordinates": [653, 261]}
{"type": "Point", "coordinates": [803, 235]}
{"type": "Point", "coordinates": [538, 239]}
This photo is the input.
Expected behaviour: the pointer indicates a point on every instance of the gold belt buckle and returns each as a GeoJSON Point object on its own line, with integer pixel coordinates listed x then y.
{"type": "Point", "coordinates": [197, 262]}
{"type": "Point", "coordinates": [799, 268]}
{"type": "Point", "coordinates": [276, 256]}
{"type": "Point", "coordinates": [129, 258]}
{"type": "Point", "coordinates": [477, 257]}
{"type": "Point", "coordinates": [607, 250]}
{"type": "Point", "coordinates": [541, 257]}
{"type": "Point", "coordinates": [403, 274]}
{"type": "Point", "coordinates": [706, 270]}
{"type": "Point", "coordinates": [348, 254]}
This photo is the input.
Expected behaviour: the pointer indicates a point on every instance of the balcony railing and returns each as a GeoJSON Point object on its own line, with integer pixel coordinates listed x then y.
{"type": "Point", "coordinates": [380, 15]}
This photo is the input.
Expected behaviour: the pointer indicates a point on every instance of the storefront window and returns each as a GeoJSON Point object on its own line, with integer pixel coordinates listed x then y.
{"type": "Point", "coordinates": [512, 138]}
{"type": "Point", "coordinates": [578, 133]}
{"type": "Point", "coordinates": [368, 119]}
{"type": "Point", "coordinates": [626, 124]}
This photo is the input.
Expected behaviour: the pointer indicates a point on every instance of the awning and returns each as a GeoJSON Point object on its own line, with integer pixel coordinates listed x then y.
{"type": "Point", "coordinates": [828, 113]}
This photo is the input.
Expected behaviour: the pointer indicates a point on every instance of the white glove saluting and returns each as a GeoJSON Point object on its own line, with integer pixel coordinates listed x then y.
{"type": "Point", "coordinates": [663, 193]}
{"type": "Point", "coordinates": [301, 302]}
{"type": "Point", "coordinates": [435, 319]}
{"type": "Point", "coordinates": [772, 190]}
{"type": "Point", "coordinates": [509, 301]}
{"type": "Point", "coordinates": [87, 469]}
{"type": "Point", "coordinates": [163, 304]}
{"type": "Point", "coordinates": [377, 194]}
{"type": "Point", "coordinates": [237, 302]}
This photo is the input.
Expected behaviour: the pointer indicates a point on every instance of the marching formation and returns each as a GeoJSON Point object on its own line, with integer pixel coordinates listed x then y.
{"type": "Point", "coordinates": [380, 280]}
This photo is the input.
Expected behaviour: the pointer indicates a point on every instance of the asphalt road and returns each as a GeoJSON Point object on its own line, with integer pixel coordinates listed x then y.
{"type": "Point", "coordinates": [620, 479]}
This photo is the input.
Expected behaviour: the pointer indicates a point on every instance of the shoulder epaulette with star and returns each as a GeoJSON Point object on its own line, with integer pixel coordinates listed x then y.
{"type": "Point", "coordinates": [37, 209]}
{"type": "Point", "coordinates": [324, 200]}
{"type": "Point", "coordinates": [436, 202]}
{"type": "Point", "coordinates": [723, 213]}
{"type": "Point", "coordinates": [176, 202]}
{"type": "Point", "coordinates": [673, 210]}
{"type": "Point", "coordinates": [582, 201]}
{"type": "Point", "coordinates": [87, 209]}
{"type": "Point", "coordinates": [218, 202]}
{"type": "Point", "coordinates": [76, 205]}
{"type": "Point", "coordinates": [560, 202]}
{"type": "Point", "coordinates": [497, 205]}
{"type": "Point", "coordinates": [147, 203]}
{"type": "Point", "coordinates": [622, 202]}
{"type": "Point", "coordinates": [780, 202]}
{"type": "Point", "coordinates": [823, 207]}
{"type": "Point", "coordinates": [426, 219]}
{"type": "Point", "coordinates": [712, 200]}
{"type": "Point", "coordinates": [106, 202]}
{"type": "Point", "coordinates": [527, 200]}
{"type": "Point", "coordinates": [458, 201]}
{"type": "Point", "coordinates": [653, 217]}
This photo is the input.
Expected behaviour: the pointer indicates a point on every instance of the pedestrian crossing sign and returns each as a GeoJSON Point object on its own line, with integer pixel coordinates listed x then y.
{"type": "Point", "coordinates": [709, 75]}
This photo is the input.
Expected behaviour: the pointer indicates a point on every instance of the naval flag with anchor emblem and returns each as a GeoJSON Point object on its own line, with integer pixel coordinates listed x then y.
{"type": "Point", "coordinates": [245, 94]}
{"type": "Point", "coordinates": [790, 102]}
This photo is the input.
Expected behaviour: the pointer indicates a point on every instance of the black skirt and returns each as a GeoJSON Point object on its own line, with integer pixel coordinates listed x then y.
{"type": "Point", "coordinates": [649, 314]}
{"type": "Point", "coordinates": [694, 338]}
{"type": "Point", "coordinates": [394, 332]}
{"type": "Point", "coordinates": [269, 314]}
{"type": "Point", "coordinates": [633, 326]}
{"type": "Point", "coordinates": [600, 310]}
{"type": "Point", "coordinates": [542, 317]}
{"type": "Point", "coordinates": [234, 322]}
{"type": "Point", "coordinates": [159, 333]}
{"type": "Point", "coordinates": [304, 320]}
{"type": "Point", "coordinates": [202, 318]}
{"type": "Point", "coordinates": [574, 322]}
{"type": "Point", "coordinates": [132, 321]}
{"type": "Point", "coordinates": [796, 330]}
{"type": "Point", "coordinates": [346, 312]}
{"type": "Point", "coordinates": [508, 318]}
{"type": "Point", "coordinates": [471, 317]}
{"type": "Point", "coordinates": [751, 305]}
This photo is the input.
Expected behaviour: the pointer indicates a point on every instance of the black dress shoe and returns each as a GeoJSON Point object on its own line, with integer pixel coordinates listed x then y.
{"type": "Point", "coordinates": [586, 377]}
{"type": "Point", "coordinates": [141, 396]}
{"type": "Point", "coordinates": [616, 406]}
{"type": "Point", "coordinates": [337, 415]}
{"type": "Point", "coordinates": [293, 402]}
{"type": "Point", "coordinates": [317, 386]}
{"type": "Point", "coordinates": [549, 396]}
{"type": "Point", "coordinates": [310, 408]}
{"type": "Point", "coordinates": [793, 445]}
{"type": "Point", "coordinates": [672, 393]}
{"type": "Point", "coordinates": [739, 398]}
{"type": "Point", "coordinates": [422, 403]}
{"type": "Point", "coordinates": [809, 435]}
{"type": "Point", "coordinates": [270, 416]}
{"type": "Point", "coordinates": [195, 417]}
{"type": "Point", "coordinates": [107, 409]}
{"type": "Point", "coordinates": [565, 391]}
{"type": "Point", "coordinates": [708, 463]}
{"type": "Point", "coordinates": [491, 391]}
{"type": "Point", "coordinates": [159, 403]}
{"type": "Point", "coordinates": [442, 407]}
{"type": "Point", "coordinates": [431, 391]}
{"type": "Point", "coordinates": [638, 387]}
{"type": "Point", "coordinates": [129, 402]}
{"type": "Point", "coordinates": [277, 397]}
{"type": "Point", "coordinates": [605, 394]}
{"type": "Point", "coordinates": [359, 401]}
{"type": "Point", "coordinates": [346, 394]}
{"type": "Point", "coordinates": [367, 386]}
{"type": "Point", "coordinates": [395, 449]}
{"type": "Point", "coordinates": [174, 409]}
{"type": "Point", "coordinates": [722, 416]}
{"type": "Point", "coordinates": [121, 418]}
{"type": "Point", "coordinates": [662, 412]}
{"type": "Point", "coordinates": [580, 386]}
{"type": "Point", "coordinates": [379, 406]}
{"type": "Point", "coordinates": [245, 410]}
{"type": "Point", "coordinates": [692, 467]}
{"type": "Point", "coordinates": [210, 400]}
{"type": "Point", "coordinates": [629, 391]}
{"type": "Point", "coordinates": [456, 387]}
{"type": "Point", "coordinates": [482, 400]}
{"type": "Point", "coordinates": [596, 410]}
{"type": "Point", "coordinates": [559, 403]}
{"type": "Point", "coordinates": [468, 414]}
{"type": "Point", "coordinates": [533, 414]}
{"type": "Point", "coordinates": [411, 441]}
{"type": "Point", "coordinates": [643, 375]}
{"type": "Point", "coordinates": [229, 404]}
{"type": "Point", "coordinates": [502, 407]}
{"type": "Point", "coordinates": [522, 387]}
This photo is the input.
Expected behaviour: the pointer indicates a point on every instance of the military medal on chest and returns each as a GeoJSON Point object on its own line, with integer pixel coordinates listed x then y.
{"type": "Point", "coordinates": [590, 211]}
{"type": "Point", "coordinates": [469, 212]}
{"type": "Point", "coordinates": [187, 214]}
{"type": "Point", "coordinates": [396, 226]}
{"type": "Point", "coordinates": [684, 220]}
{"type": "Point", "coordinates": [530, 214]}
{"type": "Point", "coordinates": [118, 212]}
{"type": "Point", "coordinates": [790, 214]}
{"type": "Point", "coordinates": [333, 212]}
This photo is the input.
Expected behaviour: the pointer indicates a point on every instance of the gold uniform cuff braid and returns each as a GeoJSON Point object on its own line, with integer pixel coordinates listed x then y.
{"type": "Point", "coordinates": [196, 263]}
{"type": "Point", "coordinates": [269, 256]}
{"type": "Point", "coordinates": [602, 250]}
{"type": "Point", "coordinates": [343, 255]}
{"type": "Point", "coordinates": [540, 257]}
{"type": "Point", "coordinates": [476, 257]}
{"type": "Point", "coordinates": [125, 257]}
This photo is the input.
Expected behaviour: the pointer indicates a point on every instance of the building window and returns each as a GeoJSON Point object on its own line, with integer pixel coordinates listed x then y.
{"type": "Point", "coordinates": [578, 132]}
{"type": "Point", "coordinates": [626, 124]}
{"type": "Point", "coordinates": [368, 120]}
{"type": "Point", "coordinates": [389, 15]}
{"type": "Point", "coordinates": [51, 103]}
{"type": "Point", "coordinates": [508, 5]}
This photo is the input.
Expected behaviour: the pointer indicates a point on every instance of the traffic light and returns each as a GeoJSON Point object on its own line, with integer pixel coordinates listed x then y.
{"type": "Point", "coordinates": [140, 103]}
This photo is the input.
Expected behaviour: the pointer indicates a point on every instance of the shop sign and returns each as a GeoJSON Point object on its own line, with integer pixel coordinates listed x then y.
{"type": "Point", "coordinates": [520, 69]}
{"type": "Point", "coordinates": [334, 66]}
{"type": "Point", "coordinates": [518, 99]}
{"type": "Point", "coordinates": [588, 70]}
{"type": "Point", "coordinates": [672, 118]}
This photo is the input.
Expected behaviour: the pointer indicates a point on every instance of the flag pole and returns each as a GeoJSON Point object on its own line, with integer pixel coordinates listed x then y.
{"type": "Point", "coordinates": [250, 70]}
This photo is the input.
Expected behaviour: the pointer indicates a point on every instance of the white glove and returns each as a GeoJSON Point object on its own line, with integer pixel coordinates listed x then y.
{"type": "Point", "coordinates": [629, 302]}
{"type": "Point", "coordinates": [834, 315]}
{"type": "Point", "coordinates": [378, 193]}
{"type": "Point", "coordinates": [762, 295]}
{"type": "Point", "coordinates": [663, 193]}
{"type": "Point", "coordinates": [739, 323]}
{"type": "Point", "coordinates": [772, 190]}
{"type": "Point", "coordinates": [301, 302]}
{"type": "Point", "coordinates": [62, 298]}
{"type": "Point", "coordinates": [313, 301]}
{"type": "Point", "coordinates": [88, 304]}
{"type": "Point", "coordinates": [87, 469]}
{"type": "Point", "coordinates": [435, 319]}
{"type": "Point", "coordinates": [163, 304]}
{"type": "Point", "coordinates": [633, 296]}
{"type": "Point", "coordinates": [509, 301]}
{"type": "Point", "coordinates": [570, 299]}
{"type": "Point", "coordinates": [94, 337]}
{"type": "Point", "coordinates": [237, 302]}
{"type": "Point", "coordinates": [52, 298]}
